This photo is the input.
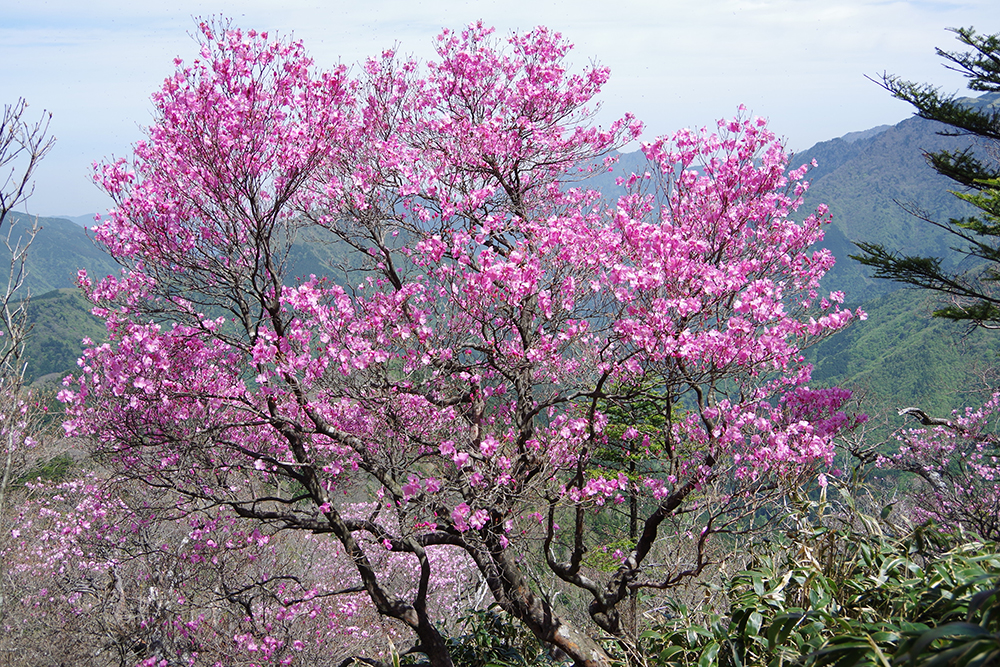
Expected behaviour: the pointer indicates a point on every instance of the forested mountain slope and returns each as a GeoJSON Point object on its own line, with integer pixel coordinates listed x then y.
{"type": "Point", "coordinates": [872, 186]}
{"type": "Point", "coordinates": [901, 355]}
{"type": "Point", "coordinates": [59, 250]}
{"type": "Point", "coordinates": [60, 320]}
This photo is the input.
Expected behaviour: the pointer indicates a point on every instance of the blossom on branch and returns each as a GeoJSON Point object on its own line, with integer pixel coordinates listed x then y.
{"type": "Point", "coordinates": [456, 367]}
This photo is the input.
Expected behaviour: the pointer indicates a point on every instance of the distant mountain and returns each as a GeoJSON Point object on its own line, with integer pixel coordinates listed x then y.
{"type": "Point", "coordinates": [60, 320]}
{"type": "Point", "coordinates": [82, 220]}
{"type": "Point", "coordinates": [59, 315]}
{"type": "Point", "coordinates": [901, 355]}
{"type": "Point", "coordinates": [851, 137]}
{"type": "Point", "coordinates": [869, 180]}
{"type": "Point", "coordinates": [58, 312]}
{"type": "Point", "coordinates": [62, 247]}
{"type": "Point", "coordinates": [59, 250]}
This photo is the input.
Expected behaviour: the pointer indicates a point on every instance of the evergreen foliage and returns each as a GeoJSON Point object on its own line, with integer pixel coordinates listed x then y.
{"type": "Point", "coordinates": [971, 289]}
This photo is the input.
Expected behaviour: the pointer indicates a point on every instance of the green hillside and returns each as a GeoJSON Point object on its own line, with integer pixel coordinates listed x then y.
{"type": "Point", "coordinates": [902, 356]}
{"type": "Point", "coordinates": [59, 315]}
{"type": "Point", "coordinates": [59, 250]}
{"type": "Point", "coordinates": [59, 319]}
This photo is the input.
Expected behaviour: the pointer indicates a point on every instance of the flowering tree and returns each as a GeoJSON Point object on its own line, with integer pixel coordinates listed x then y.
{"type": "Point", "coordinates": [100, 575]}
{"type": "Point", "coordinates": [456, 372]}
{"type": "Point", "coordinates": [956, 461]}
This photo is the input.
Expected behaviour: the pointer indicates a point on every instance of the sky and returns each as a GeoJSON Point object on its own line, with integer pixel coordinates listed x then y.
{"type": "Point", "coordinates": [674, 63]}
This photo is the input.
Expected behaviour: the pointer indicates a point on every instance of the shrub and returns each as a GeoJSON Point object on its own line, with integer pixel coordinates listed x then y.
{"type": "Point", "coordinates": [840, 588]}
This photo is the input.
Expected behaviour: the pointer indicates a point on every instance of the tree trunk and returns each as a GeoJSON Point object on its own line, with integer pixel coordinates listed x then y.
{"type": "Point", "coordinates": [432, 644]}
{"type": "Point", "coordinates": [581, 647]}
{"type": "Point", "coordinates": [535, 612]}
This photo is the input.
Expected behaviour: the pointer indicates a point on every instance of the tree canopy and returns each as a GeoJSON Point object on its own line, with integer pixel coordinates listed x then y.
{"type": "Point", "coordinates": [445, 395]}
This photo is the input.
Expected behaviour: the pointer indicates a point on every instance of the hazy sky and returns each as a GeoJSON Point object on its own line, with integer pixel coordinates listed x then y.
{"type": "Point", "coordinates": [674, 63]}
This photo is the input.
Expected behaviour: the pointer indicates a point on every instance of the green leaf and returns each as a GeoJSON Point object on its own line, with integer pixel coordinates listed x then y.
{"type": "Point", "coordinates": [694, 631]}
{"type": "Point", "coordinates": [882, 660]}
{"type": "Point", "coordinates": [978, 599]}
{"type": "Point", "coordinates": [780, 628]}
{"type": "Point", "coordinates": [707, 658]}
{"type": "Point", "coordinates": [669, 652]}
{"type": "Point", "coordinates": [949, 630]}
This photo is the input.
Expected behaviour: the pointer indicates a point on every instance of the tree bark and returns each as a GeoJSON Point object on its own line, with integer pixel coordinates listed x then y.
{"type": "Point", "coordinates": [538, 615]}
